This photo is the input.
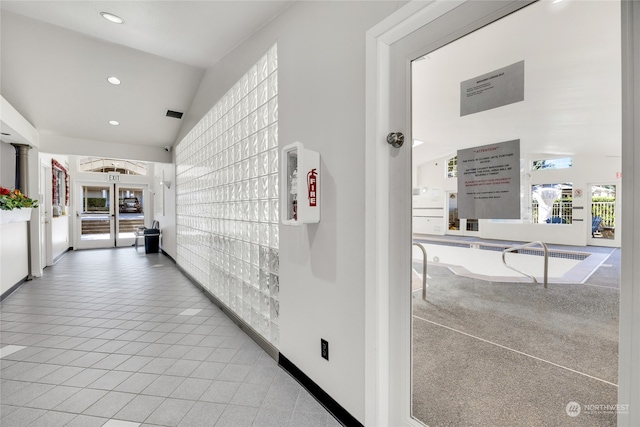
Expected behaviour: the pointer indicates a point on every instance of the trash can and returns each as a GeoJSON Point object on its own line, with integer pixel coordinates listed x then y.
{"type": "Point", "coordinates": [151, 240]}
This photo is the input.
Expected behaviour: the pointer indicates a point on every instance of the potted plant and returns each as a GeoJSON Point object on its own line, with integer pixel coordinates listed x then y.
{"type": "Point", "coordinates": [15, 206]}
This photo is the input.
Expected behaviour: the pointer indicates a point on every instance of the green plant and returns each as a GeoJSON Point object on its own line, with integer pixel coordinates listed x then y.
{"type": "Point", "coordinates": [14, 199]}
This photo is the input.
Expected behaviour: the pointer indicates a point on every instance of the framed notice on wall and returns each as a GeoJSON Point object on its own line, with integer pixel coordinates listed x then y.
{"type": "Point", "coordinates": [489, 181]}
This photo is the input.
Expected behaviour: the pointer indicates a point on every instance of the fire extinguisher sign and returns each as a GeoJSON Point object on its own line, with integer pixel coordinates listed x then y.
{"type": "Point", "coordinates": [312, 179]}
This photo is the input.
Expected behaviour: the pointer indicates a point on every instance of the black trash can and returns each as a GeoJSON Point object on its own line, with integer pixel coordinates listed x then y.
{"type": "Point", "coordinates": [151, 240]}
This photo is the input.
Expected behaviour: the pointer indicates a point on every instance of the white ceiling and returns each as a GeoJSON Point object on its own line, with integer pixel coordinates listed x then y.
{"type": "Point", "coordinates": [56, 57]}
{"type": "Point", "coordinates": [572, 77]}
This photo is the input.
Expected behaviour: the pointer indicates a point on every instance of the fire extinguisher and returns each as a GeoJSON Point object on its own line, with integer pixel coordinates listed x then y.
{"type": "Point", "coordinates": [312, 177]}
{"type": "Point", "coordinates": [294, 193]}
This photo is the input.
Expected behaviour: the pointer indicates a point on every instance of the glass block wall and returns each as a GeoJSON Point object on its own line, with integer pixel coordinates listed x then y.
{"type": "Point", "coordinates": [227, 199]}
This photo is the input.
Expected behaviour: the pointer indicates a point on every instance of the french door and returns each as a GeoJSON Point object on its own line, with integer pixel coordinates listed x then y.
{"type": "Point", "coordinates": [604, 218]}
{"type": "Point", "coordinates": [108, 214]}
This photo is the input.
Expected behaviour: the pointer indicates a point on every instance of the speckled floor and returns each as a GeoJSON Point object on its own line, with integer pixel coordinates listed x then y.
{"type": "Point", "coordinates": [507, 354]}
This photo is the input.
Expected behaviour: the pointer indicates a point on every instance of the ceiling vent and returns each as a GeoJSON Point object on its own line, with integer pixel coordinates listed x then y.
{"type": "Point", "coordinates": [174, 114]}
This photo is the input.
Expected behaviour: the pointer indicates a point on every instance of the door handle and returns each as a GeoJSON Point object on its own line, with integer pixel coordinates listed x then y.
{"type": "Point", "coordinates": [396, 139]}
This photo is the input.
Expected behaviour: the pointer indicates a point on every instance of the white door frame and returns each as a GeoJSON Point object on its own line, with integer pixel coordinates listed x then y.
{"type": "Point", "coordinates": [380, 406]}
{"type": "Point", "coordinates": [612, 243]}
{"type": "Point", "coordinates": [77, 203]}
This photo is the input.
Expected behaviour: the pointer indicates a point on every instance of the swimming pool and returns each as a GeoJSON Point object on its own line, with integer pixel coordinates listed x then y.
{"type": "Point", "coordinates": [483, 261]}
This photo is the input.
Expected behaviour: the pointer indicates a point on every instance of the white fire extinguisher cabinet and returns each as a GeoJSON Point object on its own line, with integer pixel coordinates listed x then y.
{"type": "Point", "coordinates": [300, 178]}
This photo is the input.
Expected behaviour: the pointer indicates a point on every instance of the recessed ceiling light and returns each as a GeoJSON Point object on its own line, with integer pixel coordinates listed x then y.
{"type": "Point", "coordinates": [114, 122]}
{"type": "Point", "coordinates": [111, 17]}
{"type": "Point", "coordinates": [113, 80]}
{"type": "Point", "coordinates": [417, 142]}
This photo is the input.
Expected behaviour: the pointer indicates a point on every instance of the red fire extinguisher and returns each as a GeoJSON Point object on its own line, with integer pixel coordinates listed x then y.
{"type": "Point", "coordinates": [311, 187]}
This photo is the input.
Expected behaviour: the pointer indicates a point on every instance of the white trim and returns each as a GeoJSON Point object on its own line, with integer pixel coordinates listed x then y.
{"type": "Point", "coordinates": [629, 350]}
{"type": "Point", "coordinates": [378, 40]}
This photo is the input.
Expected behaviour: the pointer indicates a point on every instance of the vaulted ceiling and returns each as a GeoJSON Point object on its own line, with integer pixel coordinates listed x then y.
{"type": "Point", "coordinates": [56, 57]}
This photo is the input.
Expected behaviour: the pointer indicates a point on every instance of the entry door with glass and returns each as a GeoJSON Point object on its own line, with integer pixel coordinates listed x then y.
{"type": "Point", "coordinates": [453, 361]}
{"type": "Point", "coordinates": [109, 215]}
{"type": "Point", "coordinates": [130, 213]}
{"type": "Point", "coordinates": [95, 217]}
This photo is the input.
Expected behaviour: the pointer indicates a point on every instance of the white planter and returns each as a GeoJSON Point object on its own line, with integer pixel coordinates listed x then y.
{"type": "Point", "coordinates": [15, 215]}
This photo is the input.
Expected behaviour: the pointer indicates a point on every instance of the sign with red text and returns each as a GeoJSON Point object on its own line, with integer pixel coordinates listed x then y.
{"type": "Point", "coordinates": [489, 181]}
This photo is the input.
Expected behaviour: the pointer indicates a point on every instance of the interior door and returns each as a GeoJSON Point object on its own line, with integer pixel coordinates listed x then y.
{"type": "Point", "coordinates": [467, 372]}
{"type": "Point", "coordinates": [448, 22]}
{"type": "Point", "coordinates": [95, 216]}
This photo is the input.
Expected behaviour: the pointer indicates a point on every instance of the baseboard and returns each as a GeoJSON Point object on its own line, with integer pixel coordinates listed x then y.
{"type": "Point", "coordinates": [170, 257]}
{"type": "Point", "coordinates": [246, 328]}
{"type": "Point", "coordinates": [341, 414]}
{"type": "Point", "coordinates": [56, 259]}
{"type": "Point", "coordinates": [12, 289]}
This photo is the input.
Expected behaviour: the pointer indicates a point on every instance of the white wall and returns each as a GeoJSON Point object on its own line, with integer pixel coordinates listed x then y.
{"type": "Point", "coordinates": [60, 235]}
{"type": "Point", "coordinates": [168, 218]}
{"type": "Point", "coordinates": [321, 64]}
{"type": "Point", "coordinates": [82, 147]}
{"type": "Point", "coordinates": [586, 170]}
{"type": "Point", "coordinates": [13, 254]}
{"type": "Point", "coordinates": [7, 165]}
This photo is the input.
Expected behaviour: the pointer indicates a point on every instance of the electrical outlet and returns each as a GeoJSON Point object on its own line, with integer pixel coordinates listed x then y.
{"type": "Point", "coordinates": [324, 348]}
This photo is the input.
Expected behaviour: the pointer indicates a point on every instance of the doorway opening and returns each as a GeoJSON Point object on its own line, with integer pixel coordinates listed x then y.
{"type": "Point", "coordinates": [108, 215]}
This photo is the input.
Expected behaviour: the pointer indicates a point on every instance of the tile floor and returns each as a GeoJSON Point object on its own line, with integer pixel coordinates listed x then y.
{"type": "Point", "coordinates": [117, 338]}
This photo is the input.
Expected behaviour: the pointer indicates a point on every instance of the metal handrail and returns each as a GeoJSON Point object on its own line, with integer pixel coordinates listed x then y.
{"type": "Point", "coordinates": [526, 245]}
{"type": "Point", "coordinates": [424, 269]}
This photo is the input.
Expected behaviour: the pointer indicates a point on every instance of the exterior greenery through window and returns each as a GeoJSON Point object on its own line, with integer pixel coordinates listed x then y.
{"type": "Point", "coordinates": [452, 167]}
{"type": "Point", "coordinates": [603, 203]}
{"type": "Point", "coordinates": [562, 163]}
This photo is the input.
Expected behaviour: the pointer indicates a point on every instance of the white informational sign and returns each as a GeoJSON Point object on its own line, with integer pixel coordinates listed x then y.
{"type": "Point", "coordinates": [489, 181]}
{"type": "Point", "coordinates": [492, 90]}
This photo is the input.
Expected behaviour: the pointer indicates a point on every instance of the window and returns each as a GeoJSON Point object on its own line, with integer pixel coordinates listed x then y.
{"type": "Point", "coordinates": [562, 163]}
{"type": "Point", "coordinates": [452, 167]}
{"type": "Point", "coordinates": [104, 165]}
{"type": "Point", "coordinates": [552, 203]}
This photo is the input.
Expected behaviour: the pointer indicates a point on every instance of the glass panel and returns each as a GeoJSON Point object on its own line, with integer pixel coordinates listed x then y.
{"type": "Point", "coordinates": [102, 165]}
{"type": "Point", "coordinates": [130, 211]}
{"type": "Point", "coordinates": [603, 211]}
{"type": "Point", "coordinates": [491, 346]}
{"type": "Point", "coordinates": [95, 216]}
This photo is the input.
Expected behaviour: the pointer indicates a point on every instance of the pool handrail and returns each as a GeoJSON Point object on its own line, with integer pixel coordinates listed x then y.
{"type": "Point", "coordinates": [526, 245]}
{"type": "Point", "coordinates": [424, 269]}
